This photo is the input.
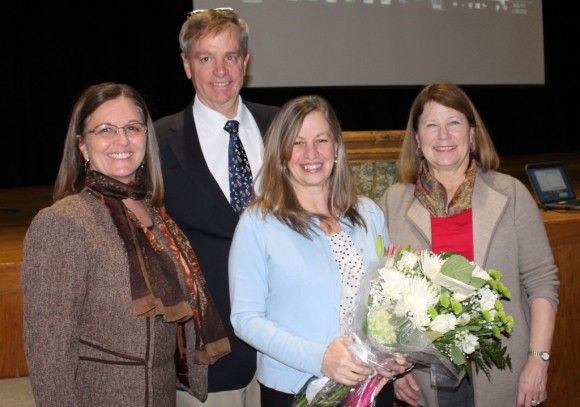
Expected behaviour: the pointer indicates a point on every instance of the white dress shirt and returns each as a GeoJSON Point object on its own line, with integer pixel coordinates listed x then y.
{"type": "Point", "coordinates": [214, 140]}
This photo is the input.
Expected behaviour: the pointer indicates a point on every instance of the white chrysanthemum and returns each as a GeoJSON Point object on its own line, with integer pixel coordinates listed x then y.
{"type": "Point", "coordinates": [443, 323]}
{"type": "Point", "coordinates": [421, 294]}
{"type": "Point", "coordinates": [408, 260]}
{"type": "Point", "coordinates": [480, 273]}
{"type": "Point", "coordinates": [430, 263]}
{"type": "Point", "coordinates": [488, 299]}
{"type": "Point", "coordinates": [393, 285]}
{"type": "Point", "coordinates": [468, 344]}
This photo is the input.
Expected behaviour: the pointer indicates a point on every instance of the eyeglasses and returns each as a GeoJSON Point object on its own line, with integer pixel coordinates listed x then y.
{"type": "Point", "coordinates": [109, 131]}
{"type": "Point", "coordinates": [203, 10]}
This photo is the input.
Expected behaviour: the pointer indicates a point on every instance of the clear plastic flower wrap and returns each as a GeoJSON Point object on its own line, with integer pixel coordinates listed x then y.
{"type": "Point", "coordinates": [324, 392]}
{"type": "Point", "coordinates": [436, 310]}
{"type": "Point", "coordinates": [381, 335]}
{"type": "Point", "coordinates": [439, 311]}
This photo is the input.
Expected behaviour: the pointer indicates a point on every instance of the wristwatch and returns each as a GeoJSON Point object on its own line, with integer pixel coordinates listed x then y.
{"type": "Point", "coordinates": [545, 356]}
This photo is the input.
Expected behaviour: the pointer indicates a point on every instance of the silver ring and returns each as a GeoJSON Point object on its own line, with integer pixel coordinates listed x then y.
{"type": "Point", "coordinates": [397, 395]}
{"type": "Point", "coordinates": [536, 402]}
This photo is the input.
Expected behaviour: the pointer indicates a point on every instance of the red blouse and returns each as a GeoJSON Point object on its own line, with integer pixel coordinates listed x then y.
{"type": "Point", "coordinates": [453, 234]}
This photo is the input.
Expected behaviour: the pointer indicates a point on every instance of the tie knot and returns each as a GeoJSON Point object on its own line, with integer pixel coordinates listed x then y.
{"type": "Point", "coordinates": [232, 126]}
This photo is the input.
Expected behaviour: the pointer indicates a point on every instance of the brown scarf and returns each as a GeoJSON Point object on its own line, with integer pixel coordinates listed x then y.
{"type": "Point", "coordinates": [155, 287]}
{"type": "Point", "coordinates": [433, 196]}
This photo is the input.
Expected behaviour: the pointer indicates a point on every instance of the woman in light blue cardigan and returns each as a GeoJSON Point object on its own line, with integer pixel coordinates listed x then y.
{"type": "Point", "coordinates": [298, 254]}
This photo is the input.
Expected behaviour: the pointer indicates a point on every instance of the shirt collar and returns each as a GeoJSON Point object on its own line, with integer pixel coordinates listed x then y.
{"type": "Point", "coordinates": [212, 116]}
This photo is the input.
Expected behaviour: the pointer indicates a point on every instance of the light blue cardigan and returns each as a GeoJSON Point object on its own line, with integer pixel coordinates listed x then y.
{"type": "Point", "coordinates": [285, 292]}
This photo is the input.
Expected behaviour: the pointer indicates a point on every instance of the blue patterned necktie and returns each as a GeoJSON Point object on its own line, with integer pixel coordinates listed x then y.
{"type": "Point", "coordinates": [239, 170]}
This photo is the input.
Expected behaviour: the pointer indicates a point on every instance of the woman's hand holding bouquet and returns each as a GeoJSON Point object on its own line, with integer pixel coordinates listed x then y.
{"type": "Point", "coordinates": [342, 365]}
{"type": "Point", "coordinates": [354, 383]}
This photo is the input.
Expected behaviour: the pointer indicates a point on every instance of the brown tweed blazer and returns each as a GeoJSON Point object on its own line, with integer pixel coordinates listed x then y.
{"type": "Point", "coordinates": [84, 344]}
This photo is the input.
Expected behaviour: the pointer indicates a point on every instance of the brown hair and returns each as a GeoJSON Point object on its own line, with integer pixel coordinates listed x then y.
{"type": "Point", "coordinates": [71, 174]}
{"type": "Point", "coordinates": [452, 96]}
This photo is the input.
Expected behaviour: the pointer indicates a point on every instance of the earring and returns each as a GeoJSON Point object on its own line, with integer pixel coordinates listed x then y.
{"type": "Point", "coordinates": [86, 165]}
{"type": "Point", "coordinates": [335, 159]}
{"type": "Point", "coordinates": [472, 146]}
{"type": "Point", "coordinates": [419, 152]}
{"type": "Point", "coordinates": [142, 166]}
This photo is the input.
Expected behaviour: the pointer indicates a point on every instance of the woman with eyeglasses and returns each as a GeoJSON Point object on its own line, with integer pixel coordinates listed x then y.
{"type": "Point", "coordinates": [113, 292]}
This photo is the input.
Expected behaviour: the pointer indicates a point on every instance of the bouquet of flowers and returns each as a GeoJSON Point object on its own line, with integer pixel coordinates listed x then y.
{"type": "Point", "coordinates": [437, 310]}
{"type": "Point", "coordinates": [444, 299]}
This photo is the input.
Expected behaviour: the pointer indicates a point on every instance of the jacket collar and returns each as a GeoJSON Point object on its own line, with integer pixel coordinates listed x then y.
{"type": "Point", "coordinates": [488, 205]}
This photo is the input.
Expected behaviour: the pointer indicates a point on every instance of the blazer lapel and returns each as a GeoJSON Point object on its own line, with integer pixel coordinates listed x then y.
{"type": "Point", "coordinates": [187, 150]}
{"type": "Point", "coordinates": [489, 206]}
{"type": "Point", "coordinates": [421, 219]}
{"type": "Point", "coordinates": [185, 142]}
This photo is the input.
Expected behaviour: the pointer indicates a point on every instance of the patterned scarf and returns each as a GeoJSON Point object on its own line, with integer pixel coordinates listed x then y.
{"type": "Point", "coordinates": [433, 196]}
{"type": "Point", "coordinates": [154, 280]}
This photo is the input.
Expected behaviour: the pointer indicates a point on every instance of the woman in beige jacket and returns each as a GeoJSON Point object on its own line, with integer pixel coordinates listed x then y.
{"type": "Point", "coordinates": [449, 198]}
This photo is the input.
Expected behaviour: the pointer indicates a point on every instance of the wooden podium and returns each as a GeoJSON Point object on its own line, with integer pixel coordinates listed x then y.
{"type": "Point", "coordinates": [564, 233]}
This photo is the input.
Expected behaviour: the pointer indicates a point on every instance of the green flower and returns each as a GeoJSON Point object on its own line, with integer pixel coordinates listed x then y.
{"type": "Point", "coordinates": [380, 327]}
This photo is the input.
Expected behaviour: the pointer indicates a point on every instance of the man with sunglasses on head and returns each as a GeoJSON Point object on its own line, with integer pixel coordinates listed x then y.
{"type": "Point", "coordinates": [196, 164]}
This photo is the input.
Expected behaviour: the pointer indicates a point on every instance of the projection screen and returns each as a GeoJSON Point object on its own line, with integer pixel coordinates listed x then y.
{"type": "Point", "coordinates": [391, 42]}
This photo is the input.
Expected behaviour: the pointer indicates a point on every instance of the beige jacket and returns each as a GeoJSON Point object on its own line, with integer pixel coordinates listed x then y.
{"type": "Point", "coordinates": [508, 235]}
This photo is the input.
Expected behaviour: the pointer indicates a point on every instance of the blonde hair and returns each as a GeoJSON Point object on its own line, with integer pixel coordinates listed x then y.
{"type": "Point", "coordinates": [212, 21]}
{"type": "Point", "coordinates": [452, 96]}
{"type": "Point", "coordinates": [277, 196]}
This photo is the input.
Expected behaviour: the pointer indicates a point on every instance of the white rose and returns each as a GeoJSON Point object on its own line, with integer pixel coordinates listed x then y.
{"type": "Point", "coordinates": [443, 323]}
{"type": "Point", "coordinates": [463, 319]}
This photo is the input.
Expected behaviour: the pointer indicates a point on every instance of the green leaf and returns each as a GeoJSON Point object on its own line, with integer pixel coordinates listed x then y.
{"type": "Point", "coordinates": [446, 255]}
{"type": "Point", "coordinates": [433, 335]}
{"type": "Point", "coordinates": [477, 282]}
{"type": "Point", "coordinates": [474, 328]}
{"type": "Point", "coordinates": [456, 355]}
{"type": "Point", "coordinates": [458, 267]}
